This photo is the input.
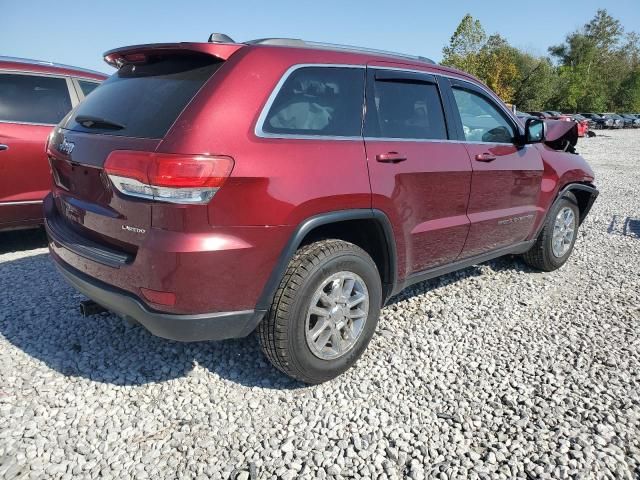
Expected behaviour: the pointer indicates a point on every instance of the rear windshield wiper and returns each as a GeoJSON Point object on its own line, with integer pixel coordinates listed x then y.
{"type": "Point", "coordinates": [89, 121]}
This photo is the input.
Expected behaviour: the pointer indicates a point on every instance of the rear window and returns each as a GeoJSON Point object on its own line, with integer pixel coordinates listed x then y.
{"type": "Point", "coordinates": [33, 99]}
{"type": "Point", "coordinates": [145, 99]}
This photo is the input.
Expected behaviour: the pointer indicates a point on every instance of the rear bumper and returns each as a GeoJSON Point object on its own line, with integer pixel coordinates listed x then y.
{"type": "Point", "coordinates": [183, 328]}
{"type": "Point", "coordinates": [223, 269]}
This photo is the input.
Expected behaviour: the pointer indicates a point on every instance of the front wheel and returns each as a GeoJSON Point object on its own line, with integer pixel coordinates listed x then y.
{"type": "Point", "coordinates": [558, 236]}
{"type": "Point", "coordinates": [324, 311]}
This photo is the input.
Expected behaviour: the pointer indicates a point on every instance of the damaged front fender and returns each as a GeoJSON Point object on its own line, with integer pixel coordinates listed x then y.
{"type": "Point", "coordinates": [561, 135]}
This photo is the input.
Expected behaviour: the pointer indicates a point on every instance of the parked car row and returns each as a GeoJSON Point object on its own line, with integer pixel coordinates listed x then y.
{"type": "Point", "coordinates": [584, 124]}
{"type": "Point", "coordinates": [587, 122]}
{"type": "Point", "coordinates": [613, 120]}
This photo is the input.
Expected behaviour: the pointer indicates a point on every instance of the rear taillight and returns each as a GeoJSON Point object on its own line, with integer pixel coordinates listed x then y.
{"type": "Point", "coordinates": [167, 177]}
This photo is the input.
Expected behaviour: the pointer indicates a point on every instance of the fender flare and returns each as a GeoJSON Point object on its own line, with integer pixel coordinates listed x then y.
{"type": "Point", "coordinates": [594, 192]}
{"type": "Point", "coordinates": [311, 223]}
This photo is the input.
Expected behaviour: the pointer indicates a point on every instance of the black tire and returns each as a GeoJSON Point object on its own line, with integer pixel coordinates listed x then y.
{"type": "Point", "coordinates": [282, 331]}
{"type": "Point", "coordinates": [541, 255]}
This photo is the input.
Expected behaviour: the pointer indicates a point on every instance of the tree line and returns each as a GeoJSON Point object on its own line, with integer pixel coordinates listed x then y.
{"type": "Point", "coordinates": [596, 68]}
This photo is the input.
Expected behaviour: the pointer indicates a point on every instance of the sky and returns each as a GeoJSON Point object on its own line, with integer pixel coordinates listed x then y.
{"type": "Point", "coordinates": [78, 33]}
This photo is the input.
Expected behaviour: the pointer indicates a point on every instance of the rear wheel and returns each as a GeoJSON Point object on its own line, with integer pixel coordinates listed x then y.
{"type": "Point", "coordinates": [558, 236]}
{"type": "Point", "coordinates": [324, 312]}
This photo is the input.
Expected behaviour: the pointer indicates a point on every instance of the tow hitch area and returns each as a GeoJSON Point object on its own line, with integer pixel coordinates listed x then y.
{"type": "Point", "coordinates": [89, 307]}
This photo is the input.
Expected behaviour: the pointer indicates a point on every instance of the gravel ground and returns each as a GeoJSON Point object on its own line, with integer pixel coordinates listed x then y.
{"type": "Point", "coordinates": [493, 372]}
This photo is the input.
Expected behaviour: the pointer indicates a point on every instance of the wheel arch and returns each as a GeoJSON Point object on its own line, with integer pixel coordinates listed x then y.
{"type": "Point", "coordinates": [370, 229]}
{"type": "Point", "coordinates": [585, 194]}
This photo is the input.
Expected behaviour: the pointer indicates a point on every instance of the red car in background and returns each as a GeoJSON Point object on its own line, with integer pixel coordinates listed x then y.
{"type": "Point", "coordinates": [583, 125]}
{"type": "Point", "coordinates": [34, 96]}
{"type": "Point", "coordinates": [555, 115]}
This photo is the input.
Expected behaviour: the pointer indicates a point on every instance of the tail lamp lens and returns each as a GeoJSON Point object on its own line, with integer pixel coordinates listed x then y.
{"type": "Point", "coordinates": [189, 179]}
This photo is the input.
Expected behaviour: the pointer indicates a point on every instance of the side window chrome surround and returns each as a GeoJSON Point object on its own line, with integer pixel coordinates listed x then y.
{"type": "Point", "coordinates": [260, 133]}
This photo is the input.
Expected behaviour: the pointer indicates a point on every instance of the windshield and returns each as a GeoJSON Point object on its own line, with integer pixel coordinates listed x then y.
{"type": "Point", "coordinates": [144, 100]}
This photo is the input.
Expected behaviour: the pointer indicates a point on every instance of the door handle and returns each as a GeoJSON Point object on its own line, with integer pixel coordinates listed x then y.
{"type": "Point", "coordinates": [390, 157]}
{"type": "Point", "coordinates": [3, 147]}
{"type": "Point", "coordinates": [485, 157]}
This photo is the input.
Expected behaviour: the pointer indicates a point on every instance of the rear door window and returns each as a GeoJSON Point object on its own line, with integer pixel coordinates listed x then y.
{"type": "Point", "coordinates": [143, 100]}
{"type": "Point", "coordinates": [33, 99]}
{"type": "Point", "coordinates": [87, 87]}
{"type": "Point", "coordinates": [406, 106]}
{"type": "Point", "coordinates": [318, 101]}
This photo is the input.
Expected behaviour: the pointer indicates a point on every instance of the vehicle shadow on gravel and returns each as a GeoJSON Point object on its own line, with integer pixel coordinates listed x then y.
{"type": "Point", "coordinates": [39, 315]}
{"type": "Point", "coordinates": [20, 240]}
{"type": "Point", "coordinates": [499, 264]}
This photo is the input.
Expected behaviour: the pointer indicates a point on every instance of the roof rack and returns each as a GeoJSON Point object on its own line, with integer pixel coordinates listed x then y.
{"type": "Point", "coordinates": [29, 61]}
{"type": "Point", "coordinates": [296, 42]}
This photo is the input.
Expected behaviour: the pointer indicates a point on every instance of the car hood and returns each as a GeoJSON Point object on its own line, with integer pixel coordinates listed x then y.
{"type": "Point", "coordinates": [561, 135]}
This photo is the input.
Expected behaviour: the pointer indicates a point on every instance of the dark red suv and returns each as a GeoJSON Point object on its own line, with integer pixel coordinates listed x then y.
{"type": "Point", "coordinates": [34, 96]}
{"type": "Point", "coordinates": [209, 189]}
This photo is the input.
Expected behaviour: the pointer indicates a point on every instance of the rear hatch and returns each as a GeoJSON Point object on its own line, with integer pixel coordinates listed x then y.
{"type": "Point", "coordinates": [132, 110]}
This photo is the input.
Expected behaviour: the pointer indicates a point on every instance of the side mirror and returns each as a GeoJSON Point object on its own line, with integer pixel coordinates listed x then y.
{"type": "Point", "coordinates": [535, 130]}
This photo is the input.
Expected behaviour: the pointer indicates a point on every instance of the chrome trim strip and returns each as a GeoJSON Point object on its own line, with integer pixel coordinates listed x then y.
{"type": "Point", "coordinates": [30, 123]}
{"type": "Point", "coordinates": [45, 63]}
{"type": "Point", "coordinates": [9, 71]}
{"type": "Point", "coordinates": [432, 140]}
{"type": "Point", "coordinates": [25, 202]}
{"type": "Point", "coordinates": [284, 136]}
{"type": "Point", "coordinates": [90, 79]}
{"type": "Point", "coordinates": [274, 93]}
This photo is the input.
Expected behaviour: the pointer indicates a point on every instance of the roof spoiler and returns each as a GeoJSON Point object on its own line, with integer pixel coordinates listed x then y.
{"type": "Point", "coordinates": [137, 53]}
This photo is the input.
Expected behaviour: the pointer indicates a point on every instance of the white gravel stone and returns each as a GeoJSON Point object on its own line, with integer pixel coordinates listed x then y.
{"type": "Point", "coordinates": [493, 372]}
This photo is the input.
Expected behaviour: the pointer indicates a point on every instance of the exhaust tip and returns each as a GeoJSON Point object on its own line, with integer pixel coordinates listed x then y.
{"type": "Point", "coordinates": [89, 307]}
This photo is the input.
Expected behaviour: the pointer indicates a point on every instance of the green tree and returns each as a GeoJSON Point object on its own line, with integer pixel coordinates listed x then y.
{"type": "Point", "coordinates": [463, 51]}
{"type": "Point", "coordinates": [536, 84]}
{"type": "Point", "coordinates": [604, 30]}
{"type": "Point", "coordinates": [628, 98]}
{"type": "Point", "coordinates": [592, 65]}
{"type": "Point", "coordinates": [497, 68]}
{"type": "Point", "coordinates": [597, 67]}
{"type": "Point", "coordinates": [632, 49]}
{"type": "Point", "coordinates": [490, 59]}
